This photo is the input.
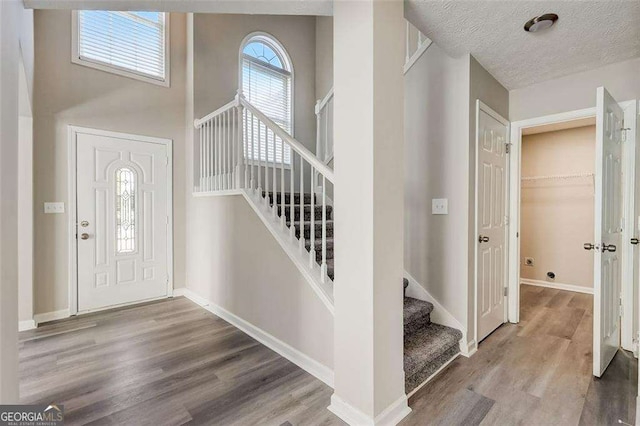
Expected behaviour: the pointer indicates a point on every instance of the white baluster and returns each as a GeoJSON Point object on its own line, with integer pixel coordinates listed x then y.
{"type": "Point", "coordinates": [323, 266]}
{"type": "Point", "coordinates": [407, 43]}
{"type": "Point", "coordinates": [301, 239]}
{"type": "Point", "coordinates": [208, 157]}
{"type": "Point", "coordinates": [292, 190]}
{"type": "Point", "coordinates": [275, 181]}
{"type": "Point", "coordinates": [282, 201]}
{"type": "Point", "coordinates": [225, 151]}
{"type": "Point", "coordinates": [233, 159]}
{"type": "Point", "coordinates": [253, 153]}
{"type": "Point", "coordinates": [201, 136]}
{"type": "Point", "coordinates": [312, 222]}
{"type": "Point", "coordinates": [259, 161]}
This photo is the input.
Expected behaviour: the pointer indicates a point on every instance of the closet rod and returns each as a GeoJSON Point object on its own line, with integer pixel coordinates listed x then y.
{"type": "Point", "coordinates": [558, 177]}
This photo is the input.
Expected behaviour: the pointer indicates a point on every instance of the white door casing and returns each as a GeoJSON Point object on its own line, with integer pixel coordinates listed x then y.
{"type": "Point", "coordinates": [608, 231]}
{"type": "Point", "coordinates": [491, 252]}
{"type": "Point", "coordinates": [123, 218]}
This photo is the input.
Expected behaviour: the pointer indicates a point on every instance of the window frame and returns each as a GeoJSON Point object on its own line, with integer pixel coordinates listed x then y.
{"type": "Point", "coordinates": [280, 50]}
{"type": "Point", "coordinates": [121, 71]}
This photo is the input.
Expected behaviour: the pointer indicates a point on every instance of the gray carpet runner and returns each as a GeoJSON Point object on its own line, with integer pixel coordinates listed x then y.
{"type": "Point", "coordinates": [427, 346]}
{"type": "Point", "coordinates": [305, 230]}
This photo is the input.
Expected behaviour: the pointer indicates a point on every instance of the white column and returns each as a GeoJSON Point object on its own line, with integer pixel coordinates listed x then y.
{"type": "Point", "coordinates": [369, 119]}
{"type": "Point", "coordinates": [9, 26]}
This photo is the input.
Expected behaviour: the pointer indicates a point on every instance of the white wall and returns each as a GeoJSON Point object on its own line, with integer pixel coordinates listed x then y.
{"type": "Point", "coordinates": [576, 91]}
{"type": "Point", "coordinates": [437, 166]}
{"type": "Point", "coordinates": [25, 200]}
{"type": "Point", "coordinates": [69, 94]}
{"type": "Point", "coordinates": [557, 216]}
{"type": "Point", "coordinates": [13, 20]}
{"type": "Point", "coordinates": [232, 259]}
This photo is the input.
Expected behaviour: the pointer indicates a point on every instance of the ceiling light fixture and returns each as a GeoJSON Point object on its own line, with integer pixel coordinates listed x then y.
{"type": "Point", "coordinates": [541, 22]}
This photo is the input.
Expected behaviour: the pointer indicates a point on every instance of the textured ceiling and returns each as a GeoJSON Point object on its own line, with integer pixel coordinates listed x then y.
{"type": "Point", "coordinates": [589, 34]}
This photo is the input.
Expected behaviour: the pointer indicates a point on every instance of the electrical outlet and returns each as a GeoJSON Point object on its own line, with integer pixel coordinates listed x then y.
{"type": "Point", "coordinates": [53, 208]}
{"type": "Point", "coordinates": [440, 206]}
{"type": "Point", "coordinates": [529, 261]}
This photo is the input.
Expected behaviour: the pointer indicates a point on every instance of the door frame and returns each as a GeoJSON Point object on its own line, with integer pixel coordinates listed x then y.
{"type": "Point", "coordinates": [630, 108]}
{"type": "Point", "coordinates": [73, 132]}
{"type": "Point", "coordinates": [481, 106]}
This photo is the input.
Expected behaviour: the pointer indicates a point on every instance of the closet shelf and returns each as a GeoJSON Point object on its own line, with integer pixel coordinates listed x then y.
{"type": "Point", "coordinates": [557, 177]}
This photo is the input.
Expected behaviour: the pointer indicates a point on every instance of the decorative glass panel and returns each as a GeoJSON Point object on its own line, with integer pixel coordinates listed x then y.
{"type": "Point", "coordinates": [125, 210]}
{"type": "Point", "coordinates": [263, 52]}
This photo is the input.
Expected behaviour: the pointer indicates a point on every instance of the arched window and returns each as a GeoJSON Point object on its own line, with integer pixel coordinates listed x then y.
{"type": "Point", "coordinates": [267, 83]}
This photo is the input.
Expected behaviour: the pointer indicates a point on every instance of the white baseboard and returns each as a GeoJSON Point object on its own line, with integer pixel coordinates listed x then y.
{"type": "Point", "coordinates": [391, 416]}
{"type": "Point", "coordinates": [439, 315]}
{"type": "Point", "coordinates": [27, 325]}
{"type": "Point", "coordinates": [303, 361]}
{"type": "Point", "coordinates": [51, 316]}
{"type": "Point", "coordinates": [557, 286]}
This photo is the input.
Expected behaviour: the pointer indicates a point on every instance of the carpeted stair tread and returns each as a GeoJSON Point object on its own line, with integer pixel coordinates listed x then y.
{"type": "Point", "coordinates": [415, 310]}
{"type": "Point", "coordinates": [318, 248]}
{"type": "Point", "coordinates": [317, 216]}
{"type": "Point", "coordinates": [307, 229]}
{"type": "Point", "coordinates": [287, 198]}
{"type": "Point", "coordinates": [418, 377]}
{"type": "Point", "coordinates": [427, 349]}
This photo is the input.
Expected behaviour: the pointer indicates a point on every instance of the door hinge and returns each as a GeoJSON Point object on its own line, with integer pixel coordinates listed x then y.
{"type": "Point", "coordinates": [507, 148]}
{"type": "Point", "coordinates": [506, 291]}
{"type": "Point", "coordinates": [621, 308]}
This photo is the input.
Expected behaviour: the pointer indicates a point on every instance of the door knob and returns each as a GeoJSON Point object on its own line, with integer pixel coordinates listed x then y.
{"type": "Point", "coordinates": [84, 236]}
{"type": "Point", "coordinates": [610, 248]}
{"type": "Point", "coordinates": [635, 241]}
{"type": "Point", "coordinates": [483, 239]}
{"type": "Point", "coordinates": [588, 246]}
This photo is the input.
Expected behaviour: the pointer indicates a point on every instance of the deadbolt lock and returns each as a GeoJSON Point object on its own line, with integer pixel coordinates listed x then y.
{"type": "Point", "coordinates": [635, 241]}
{"type": "Point", "coordinates": [483, 239]}
{"type": "Point", "coordinates": [84, 223]}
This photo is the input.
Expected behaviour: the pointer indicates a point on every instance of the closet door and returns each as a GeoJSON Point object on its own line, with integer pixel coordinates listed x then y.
{"type": "Point", "coordinates": [608, 231]}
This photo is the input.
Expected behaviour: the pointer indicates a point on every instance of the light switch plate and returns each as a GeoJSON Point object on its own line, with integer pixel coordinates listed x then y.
{"type": "Point", "coordinates": [54, 208]}
{"type": "Point", "coordinates": [440, 206]}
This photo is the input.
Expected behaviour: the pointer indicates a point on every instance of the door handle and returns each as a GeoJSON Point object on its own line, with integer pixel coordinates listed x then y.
{"type": "Point", "coordinates": [635, 241]}
{"type": "Point", "coordinates": [483, 239]}
{"type": "Point", "coordinates": [610, 248]}
{"type": "Point", "coordinates": [84, 236]}
{"type": "Point", "coordinates": [588, 246]}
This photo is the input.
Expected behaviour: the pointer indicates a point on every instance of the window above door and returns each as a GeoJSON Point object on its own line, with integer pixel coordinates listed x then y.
{"type": "Point", "coordinates": [130, 44]}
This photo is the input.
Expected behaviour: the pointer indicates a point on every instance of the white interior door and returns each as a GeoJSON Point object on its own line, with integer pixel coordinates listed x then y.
{"type": "Point", "coordinates": [608, 231]}
{"type": "Point", "coordinates": [122, 220]}
{"type": "Point", "coordinates": [491, 213]}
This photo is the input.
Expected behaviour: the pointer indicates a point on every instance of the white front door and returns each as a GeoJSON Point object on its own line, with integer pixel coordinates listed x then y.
{"type": "Point", "coordinates": [122, 219]}
{"type": "Point", "coordinates": [491, 226]}
{"type": "Point", "coordinates": [608, 231]}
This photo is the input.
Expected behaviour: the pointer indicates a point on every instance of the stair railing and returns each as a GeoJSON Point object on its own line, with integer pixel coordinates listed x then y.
{"type": "Point", "coordinates": [240, 148]}
{"type": "Point", "coordinates": [324, 128]}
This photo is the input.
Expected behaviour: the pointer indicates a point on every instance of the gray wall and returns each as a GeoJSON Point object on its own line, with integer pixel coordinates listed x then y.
{"type": "Point", "coordinates": [576, 91]}
{"type": "Point", "coordinates": [436, 166]}
{"type": "Point", "coordinates": [440, 109]}
{"type": "Point", "coordinates": [69, 94]}
{"type": "Point", "coordinates": [232, 258]}
{"type": "Point", "coordinates": [324, 55]}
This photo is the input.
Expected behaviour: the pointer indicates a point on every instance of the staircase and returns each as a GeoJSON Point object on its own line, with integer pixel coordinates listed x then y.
{"type": "Point", "coordinates": [427, 346]}
{"type": "Point", "coordinates": [319, 211]}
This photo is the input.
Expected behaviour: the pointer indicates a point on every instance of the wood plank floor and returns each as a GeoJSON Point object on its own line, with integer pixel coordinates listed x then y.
{"type": "Point", "coordinates": [165, 363]}
{"type": "Point", "coordinates": [537, 372]}
{"type": "Point", "coordinates": [172, 362]}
